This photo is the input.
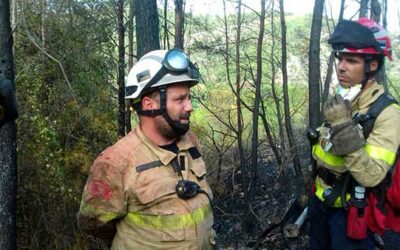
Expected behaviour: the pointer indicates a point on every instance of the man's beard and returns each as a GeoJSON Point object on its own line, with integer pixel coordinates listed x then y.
{"type": "Point", "coordinates": [173, 129]}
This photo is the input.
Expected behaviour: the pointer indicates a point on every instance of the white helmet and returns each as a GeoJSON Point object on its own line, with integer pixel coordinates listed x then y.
{"type": "Point", "coordinates": [159, 68]}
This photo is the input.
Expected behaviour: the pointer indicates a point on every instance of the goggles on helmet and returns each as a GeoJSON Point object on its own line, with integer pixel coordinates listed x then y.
{"type": "Point", "coordinates": [175, 60]}
{"type": "Point", "coordinates": [176, 63]}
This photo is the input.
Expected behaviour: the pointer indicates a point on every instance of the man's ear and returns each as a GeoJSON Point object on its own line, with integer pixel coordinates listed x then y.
{"type": "Point", "coordinates": [149, 103]}
{"type": "Point", "coordinates": [374, 65]}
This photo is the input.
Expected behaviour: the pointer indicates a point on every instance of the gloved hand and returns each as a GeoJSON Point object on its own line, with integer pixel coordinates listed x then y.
{"type": "Point", "coordinates": [345, 136]}
{"type": "Point", "coordinates": [337, 111]}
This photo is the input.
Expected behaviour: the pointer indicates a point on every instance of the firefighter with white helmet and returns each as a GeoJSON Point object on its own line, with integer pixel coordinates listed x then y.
{"type": "Point", "coordinates": [149, 190]}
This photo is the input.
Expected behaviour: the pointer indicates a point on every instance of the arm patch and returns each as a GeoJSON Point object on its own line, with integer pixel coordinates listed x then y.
{"type": "Point", "coordinates": [100, 189]}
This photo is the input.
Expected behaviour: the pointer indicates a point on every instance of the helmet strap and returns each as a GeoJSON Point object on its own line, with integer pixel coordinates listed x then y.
{"type": "Point", "coordinates": [156, 112]}
{"type": "Point", "coordinates": [176, 126]}
{"type": "Point", "coordinates": [367, 70]}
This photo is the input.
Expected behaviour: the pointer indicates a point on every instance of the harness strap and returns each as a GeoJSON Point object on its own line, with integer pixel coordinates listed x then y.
{"type": "Point", "coordinates": [339, 187]}
{"type": "Point", "coordinates": [367, 120]}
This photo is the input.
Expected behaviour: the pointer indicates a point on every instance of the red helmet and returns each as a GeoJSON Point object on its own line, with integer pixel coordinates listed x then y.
{"type": "Point", "coordinates": [381, 35]}
{"type": "Point", "coordinates": [363, 36]}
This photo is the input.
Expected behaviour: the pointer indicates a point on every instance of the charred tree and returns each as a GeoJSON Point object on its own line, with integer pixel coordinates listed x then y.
{"type": "Point", "coordinates": [165, 26]}
{"type": "Point", "coordinates": [363, 8]}
{"type": "Point", "coordinates": [179, 22]}
{"type": "Point", "coordinates": [249, 217]}
{"type": "Point", "coordinates": [288, 122]}
{"type": "Point", "coordinates": [121, 68]}
{"type": "Point", "coordinates": [128, 125]}
{"type": "Point", "coordinates": [147, 26]}
{"type": "Point", "coordinates": [278, 153]}
{"type": "Point", "coordinates": [8, 144]}
{"type": "Point", "coordinates": [331, 62]}
{"type": "Point", "coordinates": [376, 11]}
{"type": "Point", "coordinates": [314, 72]}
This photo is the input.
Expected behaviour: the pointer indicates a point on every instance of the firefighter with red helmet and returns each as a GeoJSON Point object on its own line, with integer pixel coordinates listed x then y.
{"type": "Point", "coordinates": [149, 189]}
{"type": "Point", "coordinates": [349, 161]}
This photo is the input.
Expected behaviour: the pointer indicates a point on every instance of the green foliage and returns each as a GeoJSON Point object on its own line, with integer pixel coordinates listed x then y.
{"type": "Point", "coordinates": [64, 122]}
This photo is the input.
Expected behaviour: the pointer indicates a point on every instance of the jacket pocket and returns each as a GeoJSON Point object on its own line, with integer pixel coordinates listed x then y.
{"type": "Point", "coordinates": [153, 184]}
{"type": "Point", "coordinates": [198, 168]}
{"type": "Point", "coordinates": [155, 190]}
{"type": "Point", "coordinates": [199, 172]}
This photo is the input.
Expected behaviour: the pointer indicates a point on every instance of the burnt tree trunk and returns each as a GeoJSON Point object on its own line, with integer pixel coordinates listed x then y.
{"type": "Point", "coordinates": [179, 22]}
{"type": "Point", "coordinates": [288, 123]}
{"type": "Point", "coordinates": [249, 217]}
{"type": "Point", "coordinates": [121, 68]}
{"type": "Point", "coordinates": [256, 107]}
{"type": "Point", "coordinates": [278, 152]}
{"type": "Point", "coordinates": [165, 26]}
{"type": "Point", "coordinates": [128, 125]}
{"type": "Point", "coordinates": [8, 144]}
{"type": "Point", "coordinates": [314, 72]}
{"type": "Point", "coordinates": [363, 8]}
{"type": "Point", "coordinates": [147, 29]}
{"type": "Point", "coordinates": [331, 62]}
{"type": "Point", "coordinates": [376, 11]}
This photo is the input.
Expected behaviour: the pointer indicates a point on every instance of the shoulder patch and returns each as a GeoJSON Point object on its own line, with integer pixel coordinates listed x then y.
{"type": "Point", "coordinates": [100, 189]}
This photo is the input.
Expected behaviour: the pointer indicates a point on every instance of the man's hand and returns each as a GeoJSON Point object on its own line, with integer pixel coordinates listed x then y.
{"type": "Point", "coordinates": [345, 136]}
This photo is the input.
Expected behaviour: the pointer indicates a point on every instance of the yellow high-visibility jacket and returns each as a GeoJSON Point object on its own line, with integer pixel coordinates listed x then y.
{"type": "Point", "coordinates": [370, 164]}
{"type": "Point", "coordinates": [132, 184]}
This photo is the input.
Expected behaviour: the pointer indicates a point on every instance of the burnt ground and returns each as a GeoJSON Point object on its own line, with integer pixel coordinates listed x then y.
{"type": "Point", "coordinates": [272, 199]}
{"type": "Point", "coordinates": [270, 205]}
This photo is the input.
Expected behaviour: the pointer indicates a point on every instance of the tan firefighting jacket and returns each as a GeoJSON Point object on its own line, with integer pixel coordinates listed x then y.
{"type": "Point", "coordinates": [133, 184]}
{"type": "Point", "coordinates": [368, 165]}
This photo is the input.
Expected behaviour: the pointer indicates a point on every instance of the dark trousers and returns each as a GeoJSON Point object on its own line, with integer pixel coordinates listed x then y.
{"type": "Point", "coordinates": [328, 229]}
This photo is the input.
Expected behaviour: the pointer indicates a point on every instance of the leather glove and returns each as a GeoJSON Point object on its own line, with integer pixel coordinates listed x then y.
{"type": "Point", "coordinates": [345, 136]}
{"type": "Point", "coordinates": [337, 111]}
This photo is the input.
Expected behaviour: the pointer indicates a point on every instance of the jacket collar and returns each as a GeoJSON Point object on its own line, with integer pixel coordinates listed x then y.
{"type": "Point", "coordinates": [165, 156]}
{"type": "Point", "coordinates": [368, 96]}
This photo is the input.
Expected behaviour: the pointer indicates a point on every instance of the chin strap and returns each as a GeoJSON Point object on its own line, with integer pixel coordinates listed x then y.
{"type": "Point", "coordinates": [368, 73]}
{"type": "Point", "coordinates": [155, 112]}
{"type": "Point", "coordinates": [176, 126]}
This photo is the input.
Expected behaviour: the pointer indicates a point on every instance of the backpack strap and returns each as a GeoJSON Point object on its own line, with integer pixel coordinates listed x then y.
{"type": "Point", "coordinates": [367, 120]}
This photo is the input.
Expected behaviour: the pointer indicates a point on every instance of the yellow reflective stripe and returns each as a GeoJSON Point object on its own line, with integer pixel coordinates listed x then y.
{"type": "Point", "coordinates": [379, 153]}
{"type": "Point", "coordinates": [328, 158]}
{"type": "Point", "coordinates": [319, 192]}
{"type": "Point", "coordinates": [102, 215]}
{"type": "Point", "coordinates": [396, 105]}
{"type": "Point", "coordinates": [169, 221]}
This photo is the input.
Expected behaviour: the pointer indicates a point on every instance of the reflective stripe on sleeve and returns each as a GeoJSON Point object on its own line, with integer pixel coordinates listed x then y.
{"type": "Point", "coordinates": [379, 153]}
{"type": "Point", "coordinates": [101, 214]}
{"type": "Point", "coordinates": [175, 221]}
{"type": "Point", "coordinates": [326, 157]}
